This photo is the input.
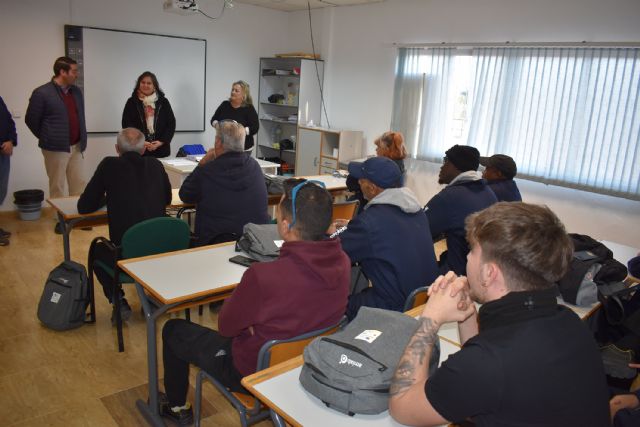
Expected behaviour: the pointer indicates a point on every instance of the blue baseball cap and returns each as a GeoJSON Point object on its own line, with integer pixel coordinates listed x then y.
{"type": "Point", "coordinates": [382, 171]}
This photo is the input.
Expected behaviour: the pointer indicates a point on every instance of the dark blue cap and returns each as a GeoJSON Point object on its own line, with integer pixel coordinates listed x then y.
{"type": "Point", "coordinates": [382, 171]}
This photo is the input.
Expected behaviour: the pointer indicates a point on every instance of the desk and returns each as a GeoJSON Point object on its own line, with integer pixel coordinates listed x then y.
{"type": "Point", "coordinates": [179, 168]}
{"type": "Point", "coordinates": [69, 217]}
{"type": "Point", "coordinates": [278, 387]}
{"type": "Point", "coordinates": [161, 279]}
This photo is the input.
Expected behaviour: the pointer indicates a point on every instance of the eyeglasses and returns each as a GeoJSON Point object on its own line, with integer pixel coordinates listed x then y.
{"type": "Point", "coordinates": [294, 193]}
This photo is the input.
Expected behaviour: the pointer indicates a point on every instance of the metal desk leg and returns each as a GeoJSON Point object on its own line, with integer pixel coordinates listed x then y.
{"type": "Point", "coordinates": [65, 236]}
{"type": "Point", "coordinates": [151, 410]}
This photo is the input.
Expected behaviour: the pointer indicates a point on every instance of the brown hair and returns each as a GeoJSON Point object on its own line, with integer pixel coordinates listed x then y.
{"type": "Point", "coordinates": [63, 63]}
{"type": "Point", "coordinates": [392, 145]}
{"type": "Point", "coordinates": [528, 242]}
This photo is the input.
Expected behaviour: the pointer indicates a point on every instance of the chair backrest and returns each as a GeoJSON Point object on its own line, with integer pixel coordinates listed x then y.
{"type": "Point", "coordinates": [277, 351]}
{"type": "Point", "coordinates": [417, 297]}
{"type": "Point", "coordinates": [345, 210]}
{"type": "Point", "coordinates": [155, 236]}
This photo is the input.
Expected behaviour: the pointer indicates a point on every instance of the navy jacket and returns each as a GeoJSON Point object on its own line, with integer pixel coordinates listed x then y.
{"type": "Point", "coordinates": [48, 119]}
{"type": "Point", "coordinates": [506, 190]}
{"type": "Point", "coordinates": [134, 188]}
{"type": "Point", "coordinates": [229, 192]}
{"type": "Point", "coordinates": [391, 241]}
{"type": "Point", "coordinates": [447, 211]}
{"type": "Point", "coordinates": [7, 125]}
{"type": "Point", "coordinates": [164, 123]}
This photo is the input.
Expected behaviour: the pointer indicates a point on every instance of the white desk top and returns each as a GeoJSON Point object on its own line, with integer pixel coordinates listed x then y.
{"type": "Point", "coordinates": [165, 276]}
{"type": "Point", "coordinates": [183, 165]}
{"type": "Point", "coordinates": [621, 253]}
{"type": "Point", "coordinates": [286, 392]}
{"type": "Point", "coordinates": [331, 182]}
{"type": "Point", "coordinates": [68, 206]}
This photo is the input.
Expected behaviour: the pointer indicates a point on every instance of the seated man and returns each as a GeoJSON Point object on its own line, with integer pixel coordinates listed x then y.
{"type": "Point", "coordinates": [466, 192]}
{"type": "Point", "coordinates": [134, 188]}
{"type": "Point", "coordinates": [499, 173]}
{"type": "Point", "coordinates": [227, 186]}
{"type": "Point", "coordinates": [390, 238]}
{"type": "Point", "coordinates": [525, 360]}
{"type": "Point", "coordinates": [305, 289]}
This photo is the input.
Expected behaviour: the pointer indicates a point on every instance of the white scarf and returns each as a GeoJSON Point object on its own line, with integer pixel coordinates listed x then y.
{"type": "Point", "coordinates": [149, 105]}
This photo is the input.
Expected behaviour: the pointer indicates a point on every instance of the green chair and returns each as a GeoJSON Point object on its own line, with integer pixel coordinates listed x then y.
{"type": "Point", "coordinates": [149, 237]}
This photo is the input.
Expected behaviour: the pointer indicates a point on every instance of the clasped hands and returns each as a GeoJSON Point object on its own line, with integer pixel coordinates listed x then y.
{"type": "Point", "coordinates": [153, 145]}
{"type": "Point", "coordinates": [449, 300]}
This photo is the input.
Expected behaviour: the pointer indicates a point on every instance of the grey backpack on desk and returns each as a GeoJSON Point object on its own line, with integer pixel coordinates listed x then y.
{"type": "Point", "coordinates": [351, 370]}
{"type": "Point", "coordinates": [258, 241]}
{"type": "Point", "coordinates": [65, 298]}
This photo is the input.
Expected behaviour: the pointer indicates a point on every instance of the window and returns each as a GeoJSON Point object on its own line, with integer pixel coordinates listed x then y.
{"type": "Point", "coordinates": [568, 116]}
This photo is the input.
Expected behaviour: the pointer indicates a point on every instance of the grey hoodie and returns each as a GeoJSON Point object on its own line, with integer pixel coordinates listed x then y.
{"type": "Point", "coordinates": [403, 198]}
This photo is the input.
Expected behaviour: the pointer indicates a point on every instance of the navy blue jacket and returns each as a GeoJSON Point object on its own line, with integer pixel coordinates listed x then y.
{"type": "Point", "coordinates": [229, 192]}
{"type": "Point", "coordinates": [7, 125]}
{"type": "Point", "coordinates": [506, 190]}
{"type": "Point", "coordinates": [395, 250]}
{"type": "Point", "coordinates": [447, 211]}
{"type": "Point", "coordinates": [48, 119]}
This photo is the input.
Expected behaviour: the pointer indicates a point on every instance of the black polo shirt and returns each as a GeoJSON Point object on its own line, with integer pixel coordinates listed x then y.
{"type": "Point", "coordinates": [534, 363]}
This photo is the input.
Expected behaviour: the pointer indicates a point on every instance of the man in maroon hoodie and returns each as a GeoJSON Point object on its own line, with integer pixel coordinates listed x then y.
{"type": "Point", "coordinates": [303, 290]}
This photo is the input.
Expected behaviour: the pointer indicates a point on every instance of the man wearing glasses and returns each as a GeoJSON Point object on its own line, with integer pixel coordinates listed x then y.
{"type": "Point", "coordinates": [305, 289]}
{"type": "Point", "coordinates": [227, 187]}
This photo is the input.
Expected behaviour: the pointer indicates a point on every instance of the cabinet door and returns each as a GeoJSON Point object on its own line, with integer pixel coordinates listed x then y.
{"type": "Point", "coordinates": [308, 152]}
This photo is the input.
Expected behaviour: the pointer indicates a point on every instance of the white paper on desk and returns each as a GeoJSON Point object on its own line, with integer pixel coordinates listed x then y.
{"type": "Point", "coordinates": [179, 162]}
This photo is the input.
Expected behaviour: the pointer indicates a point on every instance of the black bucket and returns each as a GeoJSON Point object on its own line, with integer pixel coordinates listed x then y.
{"type": "Point", "coordinates": [29, 203]}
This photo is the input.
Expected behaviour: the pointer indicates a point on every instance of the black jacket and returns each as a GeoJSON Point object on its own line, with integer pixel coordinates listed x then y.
{"type": "Point", "coordinates": [48, 119]}
{"type": "Point", "coordinates": [164, 123]}
{"type": "Point", "coordinates": [230, 192]}
{"type": "Point", "coordinates": [133, 187]}
{"type": "Point", "coordinates": [7, 125]}
{"type": "Point", "coordinates": [246, 116]}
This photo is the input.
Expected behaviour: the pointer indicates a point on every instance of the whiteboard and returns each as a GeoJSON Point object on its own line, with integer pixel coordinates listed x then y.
{"type": "Point", "coordinates": [110, 61]}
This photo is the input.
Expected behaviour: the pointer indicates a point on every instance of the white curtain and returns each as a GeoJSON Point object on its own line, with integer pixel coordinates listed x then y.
{"type": "Point", "coordinates": [567, 116]}
{"type": "Point", "coordinates": [422, 99]}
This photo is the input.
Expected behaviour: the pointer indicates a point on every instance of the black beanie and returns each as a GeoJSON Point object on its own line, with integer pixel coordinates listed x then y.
{"type": "Point", "coordinates": [463, 157]}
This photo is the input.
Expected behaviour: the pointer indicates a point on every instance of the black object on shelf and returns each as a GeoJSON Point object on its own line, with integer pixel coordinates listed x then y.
{"type": "Point", "coordinates": [275, 98]}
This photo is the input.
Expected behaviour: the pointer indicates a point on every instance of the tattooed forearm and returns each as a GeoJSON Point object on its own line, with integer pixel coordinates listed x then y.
{"type": "Point", "coordinates": [412, 366]}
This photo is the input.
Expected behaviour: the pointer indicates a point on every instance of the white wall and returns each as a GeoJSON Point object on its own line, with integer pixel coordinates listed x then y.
{"type": "Point", "coordinates": [360, 74]}
{"type": "Point", "coordinates": [32, 32]}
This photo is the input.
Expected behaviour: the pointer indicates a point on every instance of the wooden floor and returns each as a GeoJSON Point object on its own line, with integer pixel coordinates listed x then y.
{"type": "Point", "coordinates": [72, 378]}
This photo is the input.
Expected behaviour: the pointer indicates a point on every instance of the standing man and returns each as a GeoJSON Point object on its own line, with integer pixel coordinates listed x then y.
{"type": "Point", "coordinates": [525, 360]}
{"type": "Point", "coordinates": [8, 139]}
{"type": "Point", "coordinates": [55, 115]}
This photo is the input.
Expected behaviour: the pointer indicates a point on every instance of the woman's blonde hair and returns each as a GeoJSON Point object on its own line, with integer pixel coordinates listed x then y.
{"type": "Point", "coordinates": [246, 99]}
{"type": "Point", "coordinates": [392, 145]}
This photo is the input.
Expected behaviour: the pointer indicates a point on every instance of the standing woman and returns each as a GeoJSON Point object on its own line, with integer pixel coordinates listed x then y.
{"type": "Point", "coordinates": [239, 107]}
{"type": "Point", "coordinates": [149, 111]}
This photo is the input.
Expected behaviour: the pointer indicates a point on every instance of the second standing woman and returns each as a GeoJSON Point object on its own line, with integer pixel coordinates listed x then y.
{"type": "Point", "coordinates": [240, 108]}
{"type": "Point", "coordinates": [149, 111]}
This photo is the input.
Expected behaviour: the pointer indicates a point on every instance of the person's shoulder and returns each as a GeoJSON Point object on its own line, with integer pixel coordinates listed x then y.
{"type": "Point", "coordinates": [48, 87]}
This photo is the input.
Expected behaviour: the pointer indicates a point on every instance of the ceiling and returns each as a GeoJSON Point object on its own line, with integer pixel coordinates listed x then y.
{"type": "Point", "coordinates": [293, 5]}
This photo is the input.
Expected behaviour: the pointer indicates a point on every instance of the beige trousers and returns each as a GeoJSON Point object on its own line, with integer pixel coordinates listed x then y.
{"type": "Point", "coordinates": [62, 166]}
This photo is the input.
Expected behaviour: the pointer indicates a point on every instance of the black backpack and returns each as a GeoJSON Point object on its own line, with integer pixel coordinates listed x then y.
{"type": "Point", "coordinates": [64, 301]}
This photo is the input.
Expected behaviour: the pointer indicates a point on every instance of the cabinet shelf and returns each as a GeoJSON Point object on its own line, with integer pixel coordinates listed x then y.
{"type": "Point", "coordinates": [280, 105]}
{"type": "Point", "coordinates": [276, 149]}
{"type": "Point", "coordinates": [281, 76]}
{"type": "Point", "coordinates": [282, 122]}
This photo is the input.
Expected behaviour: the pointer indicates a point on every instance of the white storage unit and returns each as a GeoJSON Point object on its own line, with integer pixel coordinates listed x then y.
{"type": "Point", "coordinates": [320, 151]}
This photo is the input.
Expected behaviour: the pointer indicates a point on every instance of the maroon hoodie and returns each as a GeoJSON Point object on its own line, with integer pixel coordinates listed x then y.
{"type": "Point", "coordinates": [305, 289]}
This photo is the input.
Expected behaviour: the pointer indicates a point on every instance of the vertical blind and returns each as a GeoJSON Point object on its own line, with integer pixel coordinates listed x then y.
{"type": "Point", "coordinates": [568, 116]}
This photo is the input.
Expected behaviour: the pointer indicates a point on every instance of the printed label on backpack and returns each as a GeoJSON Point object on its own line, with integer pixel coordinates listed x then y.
{"type": "Point", "coordinates": [55, 297]}
{"type": "Point", "coordinates": [369, 335]}
{"type": "Point", "coordinates": [344, 359]}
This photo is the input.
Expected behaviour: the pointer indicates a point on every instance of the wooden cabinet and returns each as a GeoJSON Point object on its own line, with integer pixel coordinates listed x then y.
{"type": "Point", "coordinates": [289, 96]}
{"type": "Point", "coordinates": [320, 150]}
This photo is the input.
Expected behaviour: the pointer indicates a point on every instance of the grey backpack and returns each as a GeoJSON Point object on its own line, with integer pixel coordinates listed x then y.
{"type": "Point", "coordinates": [258, 241]}
{"type": "Point", "coordinates": [64, 301]}
{"type": "Point", "coordinates": [351, 370]}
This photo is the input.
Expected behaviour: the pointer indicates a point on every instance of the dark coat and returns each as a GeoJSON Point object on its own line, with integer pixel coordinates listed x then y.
{"type": "Point", "coordinates": [506, 190]}
{"type": "Point", "coordinates": [48, 119]}
{"type": "Point", "coordinates": [134, 188]}
{"type": "Point", "coordinates": [394, 247]}
{"type": "Point", "coordinates": [164, 123]}
{"type": "Point", "coordinates": [7, 125]}
{"type": "Point", "coordinates": [447, 212]}
{"type": "Point", "coordinates": [229, 192]}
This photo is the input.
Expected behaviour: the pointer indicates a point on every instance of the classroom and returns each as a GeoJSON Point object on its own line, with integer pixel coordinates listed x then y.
{"type": "Point", "coordinates": [79, 377]}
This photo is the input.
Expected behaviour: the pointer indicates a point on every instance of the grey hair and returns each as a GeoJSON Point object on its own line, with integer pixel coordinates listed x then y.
{"type": "Point", "coordinates": [131, 139]}
{"type": "Point", "coordinates": [231, 134]}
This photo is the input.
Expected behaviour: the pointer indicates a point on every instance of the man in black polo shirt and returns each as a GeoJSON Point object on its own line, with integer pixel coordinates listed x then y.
{"type": "Point", "coordinates": [525, 360]}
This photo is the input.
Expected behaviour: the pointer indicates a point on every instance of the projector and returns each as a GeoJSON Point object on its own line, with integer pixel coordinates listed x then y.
{"type": "Point", "coordinates": [181, 7]}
